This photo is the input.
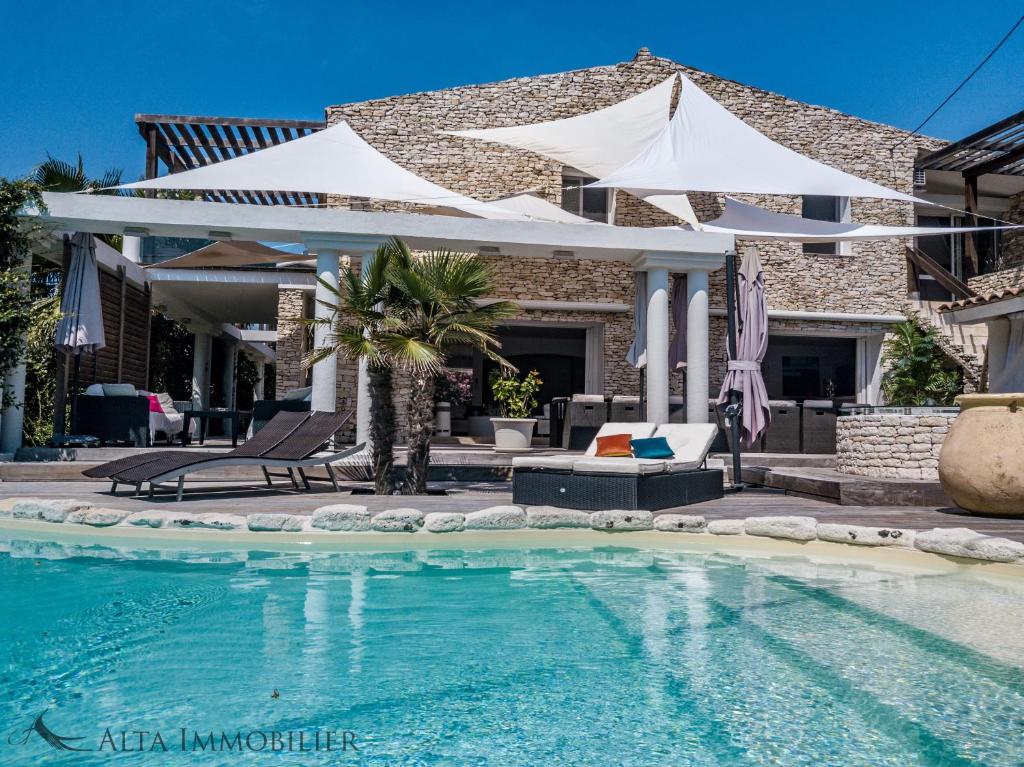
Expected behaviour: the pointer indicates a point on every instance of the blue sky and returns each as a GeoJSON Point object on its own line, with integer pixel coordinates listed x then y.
{"type": "Point", "coordinates": [76, 72]}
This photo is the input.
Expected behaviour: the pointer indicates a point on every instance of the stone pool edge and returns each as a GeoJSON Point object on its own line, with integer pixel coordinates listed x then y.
{"type": "Point", "coordinates": [952, 547]}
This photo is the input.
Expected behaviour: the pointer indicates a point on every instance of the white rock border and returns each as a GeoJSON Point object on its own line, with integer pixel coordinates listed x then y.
{"type": "Point", "coordinates": [348, 519]}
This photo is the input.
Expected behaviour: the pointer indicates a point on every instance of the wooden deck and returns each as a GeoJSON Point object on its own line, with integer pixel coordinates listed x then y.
{"type": "Point", "coordinates": [235, 498]}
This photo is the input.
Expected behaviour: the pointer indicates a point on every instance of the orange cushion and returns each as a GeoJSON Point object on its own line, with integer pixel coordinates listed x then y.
{"type": "Point", "coordinates": [614, 446]}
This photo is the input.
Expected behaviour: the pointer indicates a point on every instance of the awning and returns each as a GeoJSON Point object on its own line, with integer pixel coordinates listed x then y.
{"type": "Point", "coordinates": [332, 161]}
{"type": "Point", "coordinates": [705, 148]}
{"type": "Point", "coordinates": [749, 222]}
{"type": "Point", "coordinates": [225, 254]}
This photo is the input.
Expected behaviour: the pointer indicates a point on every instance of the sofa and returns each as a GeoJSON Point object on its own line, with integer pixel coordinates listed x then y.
{"type": "Point", "coordinates": [121, 413]}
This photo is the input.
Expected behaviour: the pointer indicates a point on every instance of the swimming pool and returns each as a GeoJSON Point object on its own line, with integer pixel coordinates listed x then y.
{"type": "Point", "coordinates": [571, 656]}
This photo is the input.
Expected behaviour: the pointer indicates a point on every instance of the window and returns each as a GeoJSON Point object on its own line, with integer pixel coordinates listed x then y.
{"type": "Point", "coordinates": [589, 203]}
{"type": "Point", "coordinates": [822, 208]}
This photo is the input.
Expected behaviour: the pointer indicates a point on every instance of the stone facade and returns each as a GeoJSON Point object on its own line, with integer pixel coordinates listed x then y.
{"type": "Point", "coordinates": [1010, 273]}
{"type": "Point", "coordinates": [871, 278]}
{"type": "Point", "coordinates": [893, 446]}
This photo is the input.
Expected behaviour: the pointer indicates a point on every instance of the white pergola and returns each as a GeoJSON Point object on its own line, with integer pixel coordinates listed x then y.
{"type": "Point", "coordinates": [329, 233]}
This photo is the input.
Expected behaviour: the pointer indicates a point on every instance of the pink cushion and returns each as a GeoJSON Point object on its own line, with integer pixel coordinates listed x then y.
{"type": "Point", "coordinates": [154, 404]}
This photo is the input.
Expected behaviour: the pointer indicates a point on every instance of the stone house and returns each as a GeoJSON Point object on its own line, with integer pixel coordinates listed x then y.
{"type": "Point", "coordinates": [829, 305]}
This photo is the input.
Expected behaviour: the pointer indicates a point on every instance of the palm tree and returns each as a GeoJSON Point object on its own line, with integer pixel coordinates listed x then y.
{"type": "Point", "coordinates": [439, 294]}
{"type": "Point", "coordinates": [362, 310]}
{"type": "Point", "coordinates": [407, 313]}
{"type": "Point", "coordinates": [55, 175]}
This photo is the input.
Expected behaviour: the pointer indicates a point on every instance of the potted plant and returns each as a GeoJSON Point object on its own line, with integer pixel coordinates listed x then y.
{"type": "Point", "coordinates": [517, 399]}
{"type": "Point", "coordinates": [452, 390]}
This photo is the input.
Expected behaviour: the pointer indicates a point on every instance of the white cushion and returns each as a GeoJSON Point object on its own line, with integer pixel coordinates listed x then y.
{"type": "Point", "coordinates": [634, 430]}
{"type": "Point", "coordinates": [552, 462]}
{"type": "Point", "coordinates": [674, 467]}
{"type": "Point", "coordinates": [689, 441]}
{"type": "Point", "coordinates": [588, 398]}
{"type": "Point", "coordinates": [96, 390]}
{"type": "Point", "coordinates": [299, 394]}
{"type": "Point", "coordinates": [618, 466]}
{"type": "Point", "coordinates": [166, 403]}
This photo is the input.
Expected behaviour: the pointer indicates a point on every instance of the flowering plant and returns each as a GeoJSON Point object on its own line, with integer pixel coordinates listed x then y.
{"type": "Point", "coordinates": [453, 386]}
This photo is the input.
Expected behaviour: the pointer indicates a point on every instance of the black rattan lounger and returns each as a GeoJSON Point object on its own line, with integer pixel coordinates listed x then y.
{"type": "Point", "coordinates": [277, 429]}
{"type": "Point", "coordinates": [293, 445]}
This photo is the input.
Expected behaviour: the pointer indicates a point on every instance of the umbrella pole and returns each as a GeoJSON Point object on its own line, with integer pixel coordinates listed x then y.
{"type": "Point", "coordinates": [735, 407]}
{"type": "Point", "coordinates": [643, 402]}
{"type": "Point", "coordinates": [74, 393]}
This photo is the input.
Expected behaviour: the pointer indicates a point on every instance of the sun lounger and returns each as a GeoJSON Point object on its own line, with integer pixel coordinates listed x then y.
{"type": "Point", "coordinates": [291, 443]}
{"type": "Point", "coordinates": [593, 483]}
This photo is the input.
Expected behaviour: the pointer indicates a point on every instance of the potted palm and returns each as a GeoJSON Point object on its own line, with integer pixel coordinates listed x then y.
{"type": "Point", "coordinates": [517, 399]}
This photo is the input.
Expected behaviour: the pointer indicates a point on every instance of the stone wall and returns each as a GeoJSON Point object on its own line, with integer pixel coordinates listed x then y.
{"type": "Point", "coordinates": [291, 340]}
{"type": "Point", "coordinates": [1010, 272]}
{"type": "Point", "coordinates": [890, 445]}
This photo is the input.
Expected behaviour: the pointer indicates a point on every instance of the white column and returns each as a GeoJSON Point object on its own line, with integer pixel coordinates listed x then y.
{"type": "Point", "coordinates": [363, 379]}
{"type": "Point", "coordinates": [325, 372]}
{"type": "Point", "coordinates": [997, 344]}
{"type": "Point", "coordinates": [201, 369]}
{"type": "Point", "coordinates": [697, 346]}
{"type": "Point", "coordinates": [228, 375]}
{"type": "Point", "coordinates": [657, 345]}
{"type": "Point", "coordinates": [131, 248]}
{"type": "Point", "coordinates": [12, 420]}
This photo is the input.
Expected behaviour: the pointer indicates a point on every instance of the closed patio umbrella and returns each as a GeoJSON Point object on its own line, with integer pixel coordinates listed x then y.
{"type": "Point", "coordinates": [80, 329]}
{"type": "Point", "coordinates": [743, 372]}
{"type": "Point", "coordinates": [677, 349]}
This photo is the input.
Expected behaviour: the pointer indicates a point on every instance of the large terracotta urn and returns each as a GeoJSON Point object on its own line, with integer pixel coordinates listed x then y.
{"type": "Point", "coordinates": [981, 465]}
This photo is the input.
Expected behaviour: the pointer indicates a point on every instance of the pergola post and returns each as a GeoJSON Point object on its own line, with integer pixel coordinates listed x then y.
{"type": "Point", "coordinates": [201, 345]}
{"type": "Point", "coordinates": [228, 374]}
{"type": "Point", "coordinates": [12, 421]}
{"type": "Point", "coordinates": [697, 346]}
{"type": "Point", "coordinates": [363, 377]}
{"type": "Point", "coordinates": [657, 344]}
{"type": "Point", "coordinates": [325, 372]}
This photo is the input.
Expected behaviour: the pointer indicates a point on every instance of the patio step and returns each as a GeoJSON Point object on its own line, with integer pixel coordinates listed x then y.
{"type": "Point", "coordinates": [848, 490]}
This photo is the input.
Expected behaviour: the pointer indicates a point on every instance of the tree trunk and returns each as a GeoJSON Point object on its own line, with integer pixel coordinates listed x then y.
{"type": "Point", "coordinates": [421, 428]}
{"type": "Point", "coordinates": [382, 430]}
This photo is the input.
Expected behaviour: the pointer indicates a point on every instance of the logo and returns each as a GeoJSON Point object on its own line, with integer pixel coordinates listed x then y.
{"type": "Point", "coordinates": [58, 742]}
{"type": "Point", "coordinates": [190, 740]}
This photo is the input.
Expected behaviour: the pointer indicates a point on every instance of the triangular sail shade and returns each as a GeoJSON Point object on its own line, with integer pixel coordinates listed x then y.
{"type": "Point", "coordinates": [705, 148]}
{"type": "Point", "coordinates": [535, 207]}
{"type": "Point", "coordinates": [229, 254]}
{"type": "Point", "coordinates": [599, 142]}
{"type": "Point", "coordinates": [749, 222]}
{"type": "Point", "coordinates": [332, 161]}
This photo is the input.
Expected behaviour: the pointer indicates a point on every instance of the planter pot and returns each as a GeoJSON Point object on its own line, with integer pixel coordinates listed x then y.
{"type": "Point", "coordinates": [443, 419]}
{"type": "Point", "coordinates": [513, 434]}
{"type": "Point", "coordinates": [981, 466]}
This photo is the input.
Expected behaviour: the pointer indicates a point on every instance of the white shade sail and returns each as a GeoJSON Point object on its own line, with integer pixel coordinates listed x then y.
{"type": "Point", "coordinates": [596, 142]}
{"type": "Point", "coordinates": [749, 222]}
{"type": "Point", "coordinates": [332, 161]}
{"type": "Point", "coordinates": [705, 148]}
{"type": "Point", "coordinates": [599, 142]}
{"type": "Point", "coordinates": [529, 204]}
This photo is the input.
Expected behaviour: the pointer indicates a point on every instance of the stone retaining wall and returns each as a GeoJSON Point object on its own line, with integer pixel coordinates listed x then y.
{"type": "Point", "coordinates": [890, 445]}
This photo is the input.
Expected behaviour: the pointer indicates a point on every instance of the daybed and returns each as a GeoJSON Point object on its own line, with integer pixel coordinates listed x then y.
{"type": "Point", "coordinates": [593, 483]}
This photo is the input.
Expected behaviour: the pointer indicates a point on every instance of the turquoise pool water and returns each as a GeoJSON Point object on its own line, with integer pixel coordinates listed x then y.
{"type": "Point", "coordinates": [607, 656]}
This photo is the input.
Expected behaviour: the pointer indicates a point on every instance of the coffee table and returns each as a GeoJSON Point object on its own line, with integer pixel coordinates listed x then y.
{"type": "Point", "coordinates": [233, 416]}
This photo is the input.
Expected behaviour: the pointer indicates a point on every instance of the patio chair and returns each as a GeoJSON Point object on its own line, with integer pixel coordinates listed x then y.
{"type": "Point", "coordinates": [292, 442]}
{"type": "Point", "coordinates": [593, 483]}
{"type": "Point", "coordinates": [584, 415]}
{"type": "Point", "coordinates": [818, 430]}
{"type": "Point", "coordinates": [625, 409]}
{"type": "Point", "coordinates": [783, 433]}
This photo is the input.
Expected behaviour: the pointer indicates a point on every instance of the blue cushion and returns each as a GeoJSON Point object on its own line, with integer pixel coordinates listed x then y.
{"type": "Point", "coordinates": [653, 447]}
